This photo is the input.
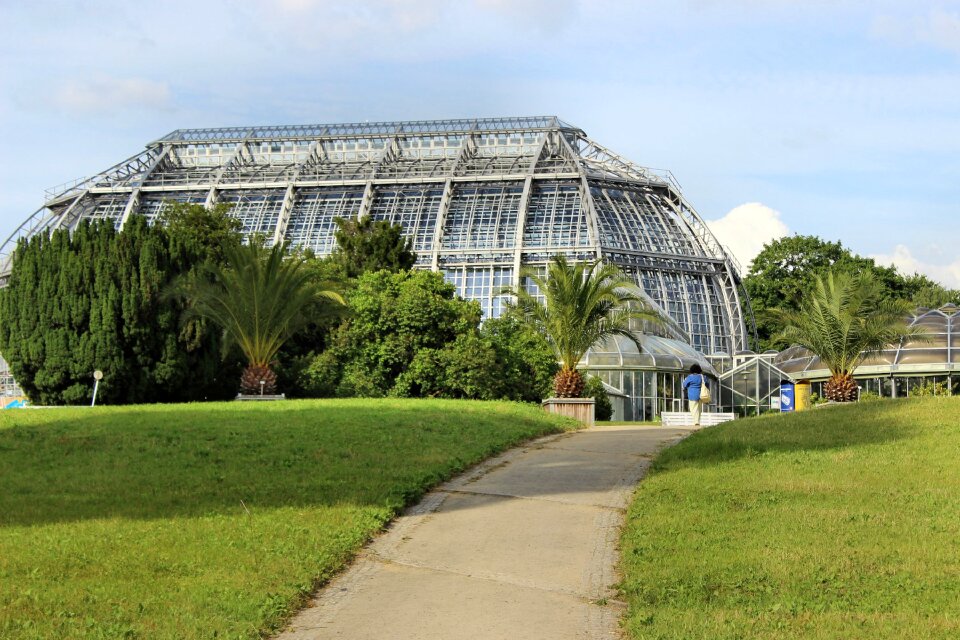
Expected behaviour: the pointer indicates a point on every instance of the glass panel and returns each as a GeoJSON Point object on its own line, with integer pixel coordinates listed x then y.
{"type": "Point", "coordinates": [884, 357]}
{"type": "Point", "coordinates": [932, 340]}
{"type": "Point", "coordinates": [415, 209]}
{"type": "Point", "coordinates": [923, 356]}
{"type": "Point", "coordinates": [109, 206]}
{"type": "Point", "coordinates": [311, 218]}
{"type": "Point", "coordinates": [482, 217]}
{"type": "Point", "coordinates": [256, 210]}
{"type": "Point", "coordinates": [152, 205]}
{"type": "Point", "coordinates": [555, 217]}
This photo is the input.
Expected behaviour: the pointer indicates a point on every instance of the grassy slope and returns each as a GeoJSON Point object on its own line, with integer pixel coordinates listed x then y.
{"type": "Point", "coordinates": [839, 523]}
{"type": "Point", "coordinates": [128, 522]}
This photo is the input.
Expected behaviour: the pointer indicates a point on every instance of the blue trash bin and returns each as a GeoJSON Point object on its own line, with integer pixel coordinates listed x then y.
{"type": "Point", "coordinates": [787, 395]}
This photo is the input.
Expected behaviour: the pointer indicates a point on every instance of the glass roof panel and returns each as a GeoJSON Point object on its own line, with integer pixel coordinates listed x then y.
{"type": "Point", "coordinates": [933, 321]}
{"type": "Point", "coordinates": [884, 357]}
{"type": "Point", "coordinates": [923, 356]}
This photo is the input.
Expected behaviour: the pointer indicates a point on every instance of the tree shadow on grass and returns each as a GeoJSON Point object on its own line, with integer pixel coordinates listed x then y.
{"type": "Point", "coordinates": [146, 464]}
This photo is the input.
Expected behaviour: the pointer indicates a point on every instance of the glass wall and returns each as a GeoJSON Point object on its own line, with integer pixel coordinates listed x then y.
{"type": "Point", "coordinates": [648, 393]}
{"type": "Point", "coordinates": [748, 388]}
{"type": "Point", "coordinates": [899, 386]}
{"type": "Point", "coordinates": [482, 284]}
{"type": "Point", "coordinates": [415, 209]}
{"type": "Point", "coordinates": [257, 210]}
{"type": "Point", "coordinates": [311, 219]}
{"type": "Point", "coordinates": [153, 204]}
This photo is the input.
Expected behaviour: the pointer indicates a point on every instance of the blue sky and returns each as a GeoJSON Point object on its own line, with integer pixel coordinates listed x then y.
{"type": "Point", "coordinates": [840, 119]}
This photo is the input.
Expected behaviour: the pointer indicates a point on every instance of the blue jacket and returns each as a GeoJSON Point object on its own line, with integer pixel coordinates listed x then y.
{"type": "Point", "coordinates": [692, 385]}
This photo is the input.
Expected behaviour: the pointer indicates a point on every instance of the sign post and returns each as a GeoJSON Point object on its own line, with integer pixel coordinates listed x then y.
{"type": "Point", "coordinates": [97, 377]}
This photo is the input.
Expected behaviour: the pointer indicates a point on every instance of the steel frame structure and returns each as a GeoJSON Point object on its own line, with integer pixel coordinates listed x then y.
{"type": "Point", "coordinates": [481, 198]}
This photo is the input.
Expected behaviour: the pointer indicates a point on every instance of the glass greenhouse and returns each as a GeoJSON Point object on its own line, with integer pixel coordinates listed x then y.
{"type": "Point", "coordinates": [479, 198]}
{"type": "Point", "coordinates": [898, 370]}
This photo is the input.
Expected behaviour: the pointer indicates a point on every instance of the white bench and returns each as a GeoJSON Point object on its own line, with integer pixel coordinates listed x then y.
{"type": "Point", "coordinates": [683, 419]}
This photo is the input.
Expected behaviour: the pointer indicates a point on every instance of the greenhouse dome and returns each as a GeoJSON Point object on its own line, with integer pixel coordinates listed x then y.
{"type": "Point", "coordinates": [901, 368]}
{"type": "Point", "coordinates": [479, 198]}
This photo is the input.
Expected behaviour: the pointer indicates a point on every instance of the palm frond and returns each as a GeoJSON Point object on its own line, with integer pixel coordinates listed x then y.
{"type": "Point", "coordinates": [584, 303]}
{"type": "Point", "coordinates": [845, 319]}
{"type": "Point", "coordinates": [257, 298]}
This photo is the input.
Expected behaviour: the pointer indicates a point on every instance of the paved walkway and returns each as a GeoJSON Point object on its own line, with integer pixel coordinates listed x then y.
{"type": "Point", "coordinates": [521, 547]}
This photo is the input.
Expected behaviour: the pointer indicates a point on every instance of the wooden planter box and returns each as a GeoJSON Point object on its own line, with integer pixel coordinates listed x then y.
{"type": "Point", "coordinates": [580, 409]}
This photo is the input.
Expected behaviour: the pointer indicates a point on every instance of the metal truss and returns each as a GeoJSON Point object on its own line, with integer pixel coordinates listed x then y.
{"type": "Point", "coordinates": [506, 178]}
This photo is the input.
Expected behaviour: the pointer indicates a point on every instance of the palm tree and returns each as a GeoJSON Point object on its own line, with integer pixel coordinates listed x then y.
{"type": "Point", "coordinates": [844, 319]}
{"type": "Point", "coordinates": [584, 303]}
{"type": "Point", "coordinates": [258, 298]}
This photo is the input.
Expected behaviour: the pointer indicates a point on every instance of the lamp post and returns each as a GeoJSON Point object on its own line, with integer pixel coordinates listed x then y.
{"type": "Point", "coordinates": [262, 382]}
{"type": "Point", "coordinates": [97, 377]}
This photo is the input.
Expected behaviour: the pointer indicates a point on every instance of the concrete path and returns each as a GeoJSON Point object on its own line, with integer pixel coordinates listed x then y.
{"type": "Point", "coordinates": [523, 546]}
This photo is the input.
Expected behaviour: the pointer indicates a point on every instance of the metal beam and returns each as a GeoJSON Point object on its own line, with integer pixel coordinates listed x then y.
{"type": "Point", "coordinates": [283, 217]}
{"type": "Point", "coordinates": [134, 201]}
{"type": "Point", "coordinates": [587, 203]}
{"type": "Point", "coordinates": [441, 220]}
{"type": "Point", "coordinates": [366, 201]}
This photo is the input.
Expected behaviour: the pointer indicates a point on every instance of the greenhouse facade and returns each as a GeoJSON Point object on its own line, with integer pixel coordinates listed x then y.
{"type": "Point", "coordinates": [479, 198]}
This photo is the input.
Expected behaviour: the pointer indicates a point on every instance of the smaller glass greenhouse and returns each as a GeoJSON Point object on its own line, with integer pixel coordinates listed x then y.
{"type": "Point", "coordinates": [650, 379]}
{"type": "Point", "coordinates": [898, 370]}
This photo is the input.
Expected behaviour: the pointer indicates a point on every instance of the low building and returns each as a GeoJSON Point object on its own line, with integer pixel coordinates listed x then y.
{"type": "Point", "coordinates": [901, 368]}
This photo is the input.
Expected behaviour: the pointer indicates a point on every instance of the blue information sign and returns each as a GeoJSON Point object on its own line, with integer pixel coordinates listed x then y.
{"type": "Point", "coordinates": [787, 397]}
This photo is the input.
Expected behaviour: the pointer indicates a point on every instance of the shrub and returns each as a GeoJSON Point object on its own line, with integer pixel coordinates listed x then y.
{"type": "Point", "coordinates": [603, 409]}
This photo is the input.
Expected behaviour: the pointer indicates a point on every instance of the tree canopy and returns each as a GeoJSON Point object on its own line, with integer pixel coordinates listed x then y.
{"type": "Point", "coordinates": [91, 299]}
{"type": "Point", "coordinates": [371, 245]}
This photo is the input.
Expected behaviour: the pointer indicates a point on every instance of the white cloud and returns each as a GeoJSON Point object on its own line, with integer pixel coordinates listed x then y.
{"type": "Point", "coordinates": [539, 13]}
{"type": "Point", "coordinates": [106, 95]}
{"type": "Point", "coordinates": [938, 29]}
{"type": "Point", "coordinates": [745, 229]}
{"type": "Point", "coordinates": [904, 260]}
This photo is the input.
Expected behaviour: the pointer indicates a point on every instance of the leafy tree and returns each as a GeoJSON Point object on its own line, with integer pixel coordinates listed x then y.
{"type": "Point", "coordinates": [585, 303]}
{"type": "Point", "coordinates": [464, 368]}
{"type": "Point", "coordinates": [258, 299]}
{"type": "Point", "coordinates": [844, 318]}
{"type": "Point", "coordinates": [368, 245]}
{"type": "Point", "coordinates": [924, 292]}
{"type": "Point", "coordinates": [91, 299]}
{"type": "Point", "coordinates": [392, 318]}
{"type": "Point", "coordinates": [525, 360]}
{"type": "Point", "coordinates": [201, 233]}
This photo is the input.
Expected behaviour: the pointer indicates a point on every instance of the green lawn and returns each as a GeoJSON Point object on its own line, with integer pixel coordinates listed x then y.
{"type": "Point", "coordinates": [213, 520]}
{"type": "Point", "coordinates": [842, 522]}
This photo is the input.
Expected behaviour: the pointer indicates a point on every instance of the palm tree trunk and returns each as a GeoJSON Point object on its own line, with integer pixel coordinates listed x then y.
{"type": "Point", "coordinates": [841, 387]}
{"type": "Point", "coordinates": [253, 375]}
{"type": "Point", "coordinates": [568, 383]}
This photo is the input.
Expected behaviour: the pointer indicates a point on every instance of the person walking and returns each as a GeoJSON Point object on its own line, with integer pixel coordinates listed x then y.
{"type": "Point", "coordinates": [694, 384]}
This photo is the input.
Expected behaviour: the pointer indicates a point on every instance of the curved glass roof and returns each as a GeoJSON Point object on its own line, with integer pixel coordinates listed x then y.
{"type": "Point", "coordinates": [940, 353]}
{"type": "Point", "coordinates": [656, 352]}
{"type": "Point", "coordinates": [479, 198]}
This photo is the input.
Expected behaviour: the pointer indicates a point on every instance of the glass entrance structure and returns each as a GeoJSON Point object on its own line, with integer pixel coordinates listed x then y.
{"type": "Point", "coordinates": [479, 198]}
